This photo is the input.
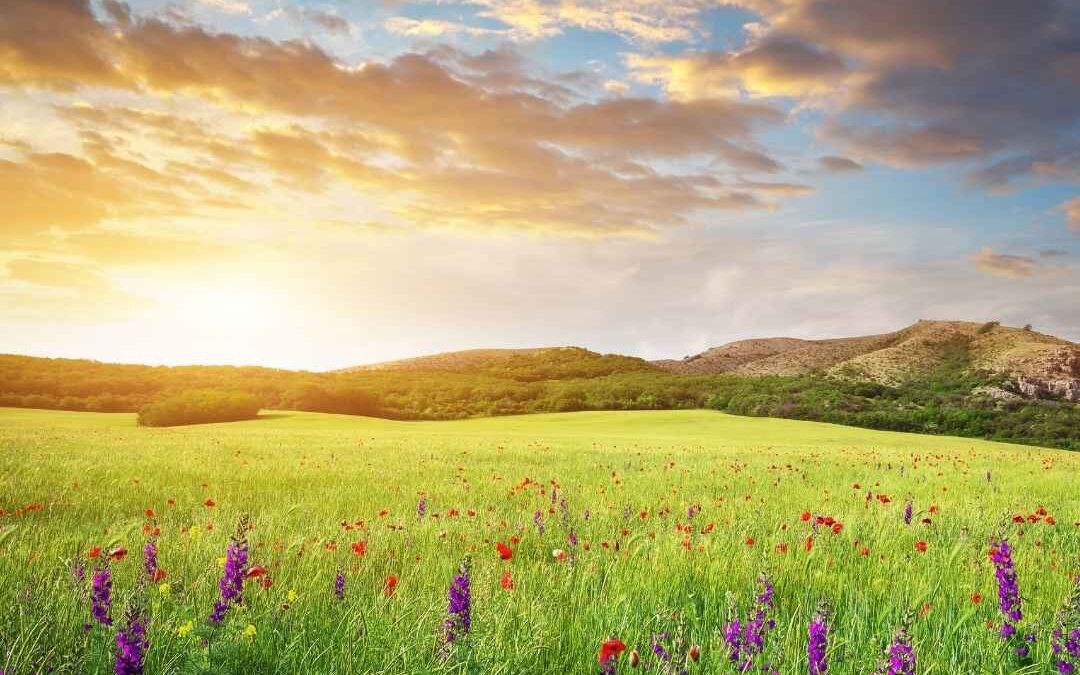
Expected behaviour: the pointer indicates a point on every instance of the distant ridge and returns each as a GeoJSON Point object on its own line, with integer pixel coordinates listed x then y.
{"type": "Point", "coordinates": [1041, 365]}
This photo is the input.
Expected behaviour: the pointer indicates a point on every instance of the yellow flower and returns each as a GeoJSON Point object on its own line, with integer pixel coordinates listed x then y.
{"type": "Point", "coordinates": [164, 588]}
{"type": "Point", "coordinates": [292, 595]}
{"type": "Point", "coordinates": [221, 562]}
{"type": "Point", "coordinates": [249, 631]}
{"type": "Point", "coordinates": [195, 532]}
{"type": "Point", "coordinates": [185, 630]}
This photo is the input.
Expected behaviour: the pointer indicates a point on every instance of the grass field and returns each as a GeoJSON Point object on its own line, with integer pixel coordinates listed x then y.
{"type": "Point", "coordinates": [622, 484]}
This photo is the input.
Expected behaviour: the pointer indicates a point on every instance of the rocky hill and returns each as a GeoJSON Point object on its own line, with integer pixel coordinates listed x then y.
{"type": "Point", "coordinates": [1035, 365]}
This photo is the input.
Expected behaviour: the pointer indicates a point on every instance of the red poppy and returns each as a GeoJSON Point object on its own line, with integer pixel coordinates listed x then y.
{"type": "Point", "coordinates": [255, 572]}
{"type": "Point", "coordinates": [359, 548]}
{"type": "Point", "coordinates": [504, 551]}
{"type": "Point", "coordinates": [809, 544]}
{"type": "Point", "coordinates": [921, 546]}
{"type": "Point", "coordinates": [209, 503]}
{"type": "Point", "coordinates": [507, 581]}
{"type": "Point", "coordinates": [805, 517]}
{"type": "Point", "coordinates": [149, 513]}
{"type": "Point", "coordinates": [749, 541]}
{"type": "Point", "coordinates": [390, 585]}
{"type": "Point", "coordinates": [976, 598]}
{"type": "Point", "coordinates": [158, 575]}
{"type": "Point", "coordinates": [94, 552]}
{"type": "Point", "coordinates": [117, 553]}
{"type": "Point", "coordinates": [611, 649]}
{"type": "Point", "coordinates": [837, 527]}
{"type": "Point", "coordinates": [695, 653]}
{"type": "Point", "coordinates": [266, 582]}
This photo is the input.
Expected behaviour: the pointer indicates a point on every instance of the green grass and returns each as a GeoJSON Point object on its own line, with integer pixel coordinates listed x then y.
{"type": "Point", "coordinates": [300, 475]}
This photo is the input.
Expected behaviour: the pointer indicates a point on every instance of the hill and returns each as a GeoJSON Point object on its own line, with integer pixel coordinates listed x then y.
{"type": "Point", "coordinates": [964, 379]}
{"type": "Point", "coordinates": [1033, 364]}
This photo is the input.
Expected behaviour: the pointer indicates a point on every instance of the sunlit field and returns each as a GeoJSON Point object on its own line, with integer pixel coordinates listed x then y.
{"type": "Point", "coordinates": [655, 529]}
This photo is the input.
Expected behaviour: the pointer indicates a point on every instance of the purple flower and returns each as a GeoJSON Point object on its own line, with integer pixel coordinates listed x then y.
{"type": "Point", "coordinates": [692, 511]}
{"type": "Point", "coordinates": [101, 596]}
{"type": "Point", "coordinates": [232, 578]}
{"type": "Point", "coordinates": [131, 646]}
{"type": "Point", "coordinates": [538, 518]}
{"type": "Point", "coordinates": [747, 640]}
{"type": "Point", "coordinates": [421, 507]}
{"type": "Point", "coordinates": [150, 559]}
{"type": "Point", "coordinates": [1065, 638]}
{"type": "Point", "coordinates": [339, 585]}
{"type": "Point", "coordinates": [908, 512]}
{"type": "Point", "coordinates": [817, 641]}
{"type": "Point", "coordinates": [459, 608]}
{"type": "Point", "coordinates": [899, 656]}
{"type": "Point", "coordinates": [572, 539]}
{"type": "Point", "coordinates": [1009, 602]}
{"type": "Point", "coordinates": [586, 515]}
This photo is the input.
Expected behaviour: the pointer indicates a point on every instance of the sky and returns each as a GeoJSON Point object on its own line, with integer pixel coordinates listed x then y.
{"type": "Point", "coordinates": [316, 185]}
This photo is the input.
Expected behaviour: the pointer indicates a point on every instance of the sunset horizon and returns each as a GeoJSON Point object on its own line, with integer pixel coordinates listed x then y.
{"type": "Point", "coordinates": [314, 185]}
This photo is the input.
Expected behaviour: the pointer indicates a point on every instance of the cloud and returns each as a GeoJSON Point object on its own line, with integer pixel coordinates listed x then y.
{"type": "Point", "coordinates": [774, 66]}
{"type": "Point", "coordinates": [1004, 265]}
{"type": "Point", "coordinates": [835, 164]}
{"type": "Point", "coordinates": [435, 28]}
{"type": "Point", "coordinates": [447, 136]}
{"type": "Point", "coordinates": [1071, 209]}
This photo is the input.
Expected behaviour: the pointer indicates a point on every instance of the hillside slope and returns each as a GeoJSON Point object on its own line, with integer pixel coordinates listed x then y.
{"type": "Point", "coordinates": [1033, 364]}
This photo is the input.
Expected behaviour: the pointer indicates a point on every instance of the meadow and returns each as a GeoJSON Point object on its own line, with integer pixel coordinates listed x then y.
{"type": "Point", "coordinates": [650, 528]}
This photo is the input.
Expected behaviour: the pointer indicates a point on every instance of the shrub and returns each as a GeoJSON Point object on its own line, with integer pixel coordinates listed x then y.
{"type": "Point", "coordinates": [199, 406]}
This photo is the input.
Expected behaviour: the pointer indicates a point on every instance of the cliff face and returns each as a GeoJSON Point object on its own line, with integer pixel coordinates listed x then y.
{"type": "Point", "coordinates": [1058, 377]}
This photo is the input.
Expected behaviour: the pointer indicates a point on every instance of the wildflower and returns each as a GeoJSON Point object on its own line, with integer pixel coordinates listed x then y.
{"type": "Point", "coordinates": [232, 577]}
{"type": "Point", "coordinates": [94, 552]}
{"type": "Point", "coordinates": [572, 539]}
{"type": "Point", "coordinates": [421, 507]}
{"type": "Point", "coordinates": [817, 641]}
{"type": "Point", "coordinates": [101, 596]}
{"type": "Point", "coordinates": [976, 598]}
{"type": "Point", "coordinates": [117, 553]}
{"type": "Point", "coordinates": [558, 554]}
{"type": "Point", "coordinates": [164, 589]}
{"type": "Point", "coordinates": [459, 608]}
{"type": "Point", "coordinates": [634, 659]}
{"type": "Point", "coordinates": [504, 551]}
{"type": "Point", "coordinates": [1008, 590]}
{"type": "Point", "coordinates": [921, 546]}
{"type": "Point", "coordinates": [255, 572]}
{"type": "Point", "coordinates": [195, 532]}
{"type": "Point", "coordinates": [209, 503]}
{"type": "Point", "coordinates": [694, 653]}
{"type": "Point", "coordinates": [507, 581]}
{"type": "Point", "coordinates": [292, 595]}
{"type": "Point", "coordinates": [339, 585]}
{"type": "Point", "coordinates": [185, 629]}
{"type": "Point", "coordinates": [250, 631]}
{"type": "Point", "coordinates": [609, 654]}
{"type": "Point", "coordinates": [899, 656]}
{"type": "Point", "coordinates": [1065, 637]}
{"type": "Point", "coordinates": [131, 646]}
{"type": "Point", "coordinates": [150, 559]}
{"type": "Point", "coordinates": [390, 585]}
{"type": "Point", "coordinates": [908, 511]}
{"type": "Point", "coordinates": [745, 641]}
{"type": "Point", "coordinates": [359, 548]}
{"type": "Point", "coordinates": [538, 518]}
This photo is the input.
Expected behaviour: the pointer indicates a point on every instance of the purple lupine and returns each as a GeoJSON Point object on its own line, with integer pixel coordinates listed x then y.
{"type": "Point", "coordinates": [339, 585]}
{"type": "Point", "coordinates": [572, 539]}
{"type": "Point", "coordinates": [232, 578]}
{"type": "Point", "coordinates": [909, 510]}
{"type": "Point", "coordinates": [692, 511]}
{"type": "Point", "coordinates": [1065, 638]}
{"type": "Point", "coordinates": [564, 510]}
{"type": "Point", "coordinates": [817, 641]}
{"type": "Point", "coordinates": [899, 656]}
{"type": "Point", "coordinates": [586, 514]}
{"type": "Point", "coordinates": [538, 518]}
{"type": "Point", "coordinates": [421, 507]}
{"type": "Point", "coordinates": [746, 641]}
{"type": "Point", "coordinates": [150, 559]}
{"type": "Point", "coordinates": [101, 596]}
{"type": "Point", "coordinates": [459, 607]}
{"type": "Point", "coordinates": [131, 645]}
{"type": "Point", "coordinates": [1008, 589]}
